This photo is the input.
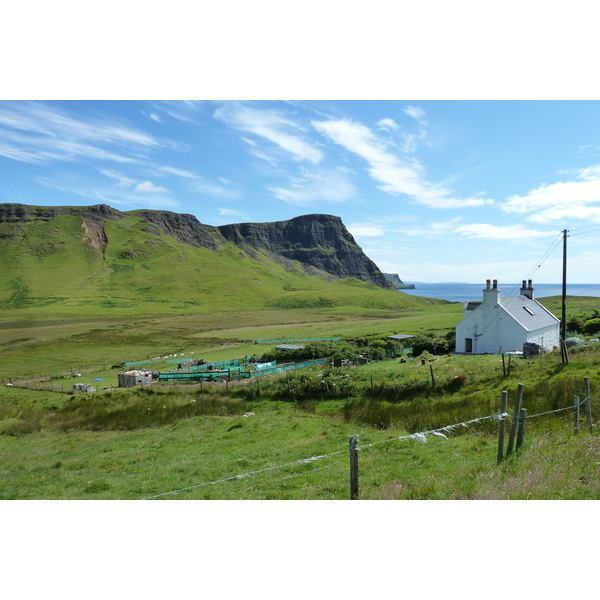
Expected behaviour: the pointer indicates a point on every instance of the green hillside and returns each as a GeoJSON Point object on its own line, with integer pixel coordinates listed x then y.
{"type": "Point", "coordinates": [65, 267]}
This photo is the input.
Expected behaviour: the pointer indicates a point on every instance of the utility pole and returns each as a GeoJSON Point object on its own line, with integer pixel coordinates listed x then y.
{"type": "Point", "coordinates": [563, 323]}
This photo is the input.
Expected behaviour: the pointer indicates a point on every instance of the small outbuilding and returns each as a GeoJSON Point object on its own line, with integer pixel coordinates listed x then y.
{"type": "Point", "coordinates": [501, 324]}
{"type": "Point", "coordinates": [133, 378]}
{"type": "Point", "coordinates": [288, 347]}
{"type": "Point", "coordinates": [402, 337]}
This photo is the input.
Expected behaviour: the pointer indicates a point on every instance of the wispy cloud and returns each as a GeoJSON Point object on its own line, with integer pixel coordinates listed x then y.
{"type": "Point", "coordinates": [178, 172]}
{"type": "Point", "coordinates": [273, 126]}
{"type": "Point", "coordinates": [122, 180]}
{"type": "Point", "coordinates": [36, 133]}
{"type": "Point", "coordinates": [494, 232]}
{"type": "Point", "coordinates": [316, 186]}
{"type": "Point", "coordinates": [114, 196]}
{"type": "Point", "coordinates": [394, 175]}
{"type": "Point", "coordinates": [560, 201]}
{"type": "Point", "coordinates": [147, 187]}
{"type": "Point", "coordinates": [416, 113]}
{"type": "Point", "coordinates": [387, 124]}
{"type": "Point", "coordinates": [365, 231]}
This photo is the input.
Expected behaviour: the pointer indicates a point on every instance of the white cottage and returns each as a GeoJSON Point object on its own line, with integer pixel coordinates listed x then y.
{"type": "Point", "coordinates": [512, 323]}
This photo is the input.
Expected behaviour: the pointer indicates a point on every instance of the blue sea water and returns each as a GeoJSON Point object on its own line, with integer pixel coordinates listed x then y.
{"type": "Point", "coordinates": [463, 292]}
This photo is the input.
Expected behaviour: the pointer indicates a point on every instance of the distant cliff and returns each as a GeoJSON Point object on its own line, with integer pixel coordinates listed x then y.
{"type": "Point", "coordinates": [319, 241]}
{"type": "Point", "coordinates": [397, 282]}
{"type": "Point", "coordinates": [319, 244]}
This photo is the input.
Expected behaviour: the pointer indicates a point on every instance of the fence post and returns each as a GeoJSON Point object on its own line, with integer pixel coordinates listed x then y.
{"type": "Point", "coordinates": [503, 405]}
{"type": "Point", "coordinates": [521, 429]}
{"type": "Point", "coordinates": [588, 402]}
{"type": "Point", "coordinates": [353, 467]}
{"type": "Point", "coordinates": [503, 366]}
{"type": "Point", "coordinates": [513, 424]}
{"type": "Point", "coordinates": [576, 418]}
{"type": "Point", "coordinates": [432, 377]}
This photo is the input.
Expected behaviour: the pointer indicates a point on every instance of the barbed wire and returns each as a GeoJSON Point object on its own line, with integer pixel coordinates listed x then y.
{"type": "Point", "coordinates": [418, 436]}
{"type": "Point", "coordinates": [243, 475]}
{"type": "Point", "coordinates": [549, 412]}
{"type": "Point", "coordinates": [421, 436]}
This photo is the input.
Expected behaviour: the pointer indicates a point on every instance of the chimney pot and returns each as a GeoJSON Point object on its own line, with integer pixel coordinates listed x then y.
{"type": "Point", "coordinates": [495, 284]}
{"type": "Point", "coordinates": [487, 284]}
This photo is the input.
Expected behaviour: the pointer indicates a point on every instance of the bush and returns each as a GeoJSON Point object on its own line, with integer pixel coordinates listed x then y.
{"type": "Point", "coordinates": [592, 326]}
{"type": "Point", "coordinates": [423, 343]}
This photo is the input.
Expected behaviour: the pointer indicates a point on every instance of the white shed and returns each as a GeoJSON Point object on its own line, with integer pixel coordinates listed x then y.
{"type": "Point", "coordinates": [503, 324]}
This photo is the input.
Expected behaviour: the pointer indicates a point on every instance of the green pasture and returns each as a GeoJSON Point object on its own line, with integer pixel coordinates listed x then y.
{"type": "Point", "coordinates": [145, 442]}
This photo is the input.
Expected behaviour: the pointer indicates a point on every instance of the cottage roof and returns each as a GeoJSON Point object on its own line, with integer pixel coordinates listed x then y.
{"type": "Point", "coordinates": [470, 305]}
{"type": "Point", "coordinates": [529, 313]}
{"type": "Point", "coordinates": [400, 337]}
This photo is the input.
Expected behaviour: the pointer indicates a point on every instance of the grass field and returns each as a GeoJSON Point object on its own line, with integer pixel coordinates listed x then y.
{"type": "Point", "coordinates": [142, 443]}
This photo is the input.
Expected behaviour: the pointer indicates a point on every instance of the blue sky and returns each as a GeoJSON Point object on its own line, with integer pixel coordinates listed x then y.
{"type": "Point", "coordinates": [432, 190]}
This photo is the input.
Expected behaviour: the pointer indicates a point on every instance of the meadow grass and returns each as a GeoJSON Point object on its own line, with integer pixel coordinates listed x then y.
{"type": "Point", "coordinates": [142, 442]}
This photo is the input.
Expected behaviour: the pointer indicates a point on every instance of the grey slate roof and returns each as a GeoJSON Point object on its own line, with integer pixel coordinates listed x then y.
{"type": "Point", "coordinates": [529, 313]}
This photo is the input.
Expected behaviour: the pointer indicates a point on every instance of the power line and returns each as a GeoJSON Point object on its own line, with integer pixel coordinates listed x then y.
{"type": "Point", "coordinates": [596, 228]}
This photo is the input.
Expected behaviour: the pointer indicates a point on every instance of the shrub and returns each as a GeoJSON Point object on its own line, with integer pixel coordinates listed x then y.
{"type": "Point", "coordinates": [592, 326]}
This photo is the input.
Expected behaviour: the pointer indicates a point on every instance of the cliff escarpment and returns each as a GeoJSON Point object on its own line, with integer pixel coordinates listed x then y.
{"type": "Point", "coordinates": [319, 241]}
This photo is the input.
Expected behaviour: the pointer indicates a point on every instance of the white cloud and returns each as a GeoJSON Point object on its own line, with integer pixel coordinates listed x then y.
{"type": "Point", "coordinates": [365, 231]}
{"type": "Point", "coordinates": [495, 232]}
{"type": "Point", "coordinates": [416, 113]}
{"type": "Point", "coordinates": [558, 201]}
{"type": "Point", "coordinates": [273, 126]}
{"type": "Point", "coordinates": [387, 124]}
{"type": "Point", "coordinates": [148, 187]}
{"type": "Point", "coordinates": [178, 172]}
{"type": "Point", "coordinates": [36, 133]}
{"type": "Point", "coordinates": [316, 186]}
{"type": "Point", "coordinates": [122, 181]}
{"type": "Point", "coordinates": [394, 175]}
{"type": "Point", "coordinates": [564, 214]}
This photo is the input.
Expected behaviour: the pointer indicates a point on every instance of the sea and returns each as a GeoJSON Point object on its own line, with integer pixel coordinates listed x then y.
{"type": "Point", "coordinates": [463, 292]}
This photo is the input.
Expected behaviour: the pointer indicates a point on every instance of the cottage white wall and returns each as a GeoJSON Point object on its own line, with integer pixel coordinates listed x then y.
{"type": "Point", "coordinates": [493, 330]}
{"type": "Point", "coordinates": [547, 338]}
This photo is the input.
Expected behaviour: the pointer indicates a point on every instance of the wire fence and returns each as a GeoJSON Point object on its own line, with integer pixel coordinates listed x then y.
{"type": "Point", "coordinates": [421, 437]}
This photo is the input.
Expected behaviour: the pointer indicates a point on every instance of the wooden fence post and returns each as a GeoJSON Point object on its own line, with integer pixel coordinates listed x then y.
{"type": "Point", "coordinates": [576, 417]}
{"type": "Point", "coordinates": [432, 377]}
{"type": "Point", "coordinates": [521, 428]}
{"type": "Point", "coordinates": [353, 467]}
{"type": "Point", "coordinates": [503, 366]}
{"type": "Point", "coordinates": [588, 402]}
{"type": "Point", "coordinates": [503, 405]}
{"type": "Point", "coordinates": [513, 424]}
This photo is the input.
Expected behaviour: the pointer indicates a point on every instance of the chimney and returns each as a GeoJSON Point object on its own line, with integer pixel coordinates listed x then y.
{"type": "Point", "coordinates": [491, 295]}
{"type": "Point", "coordinates": [527, 291]}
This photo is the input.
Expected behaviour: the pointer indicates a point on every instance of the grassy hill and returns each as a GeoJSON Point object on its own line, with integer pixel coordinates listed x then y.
{"type": "Point", "coordinates": [64, 266]}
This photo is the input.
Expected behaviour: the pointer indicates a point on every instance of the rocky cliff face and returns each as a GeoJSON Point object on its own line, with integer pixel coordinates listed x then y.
{"type": "Point", "coordinates": [320, 241]}
{"type": "Point", "coordinates": [397, 282]}
{"type": "Point", "coordinates": [316, 241]}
